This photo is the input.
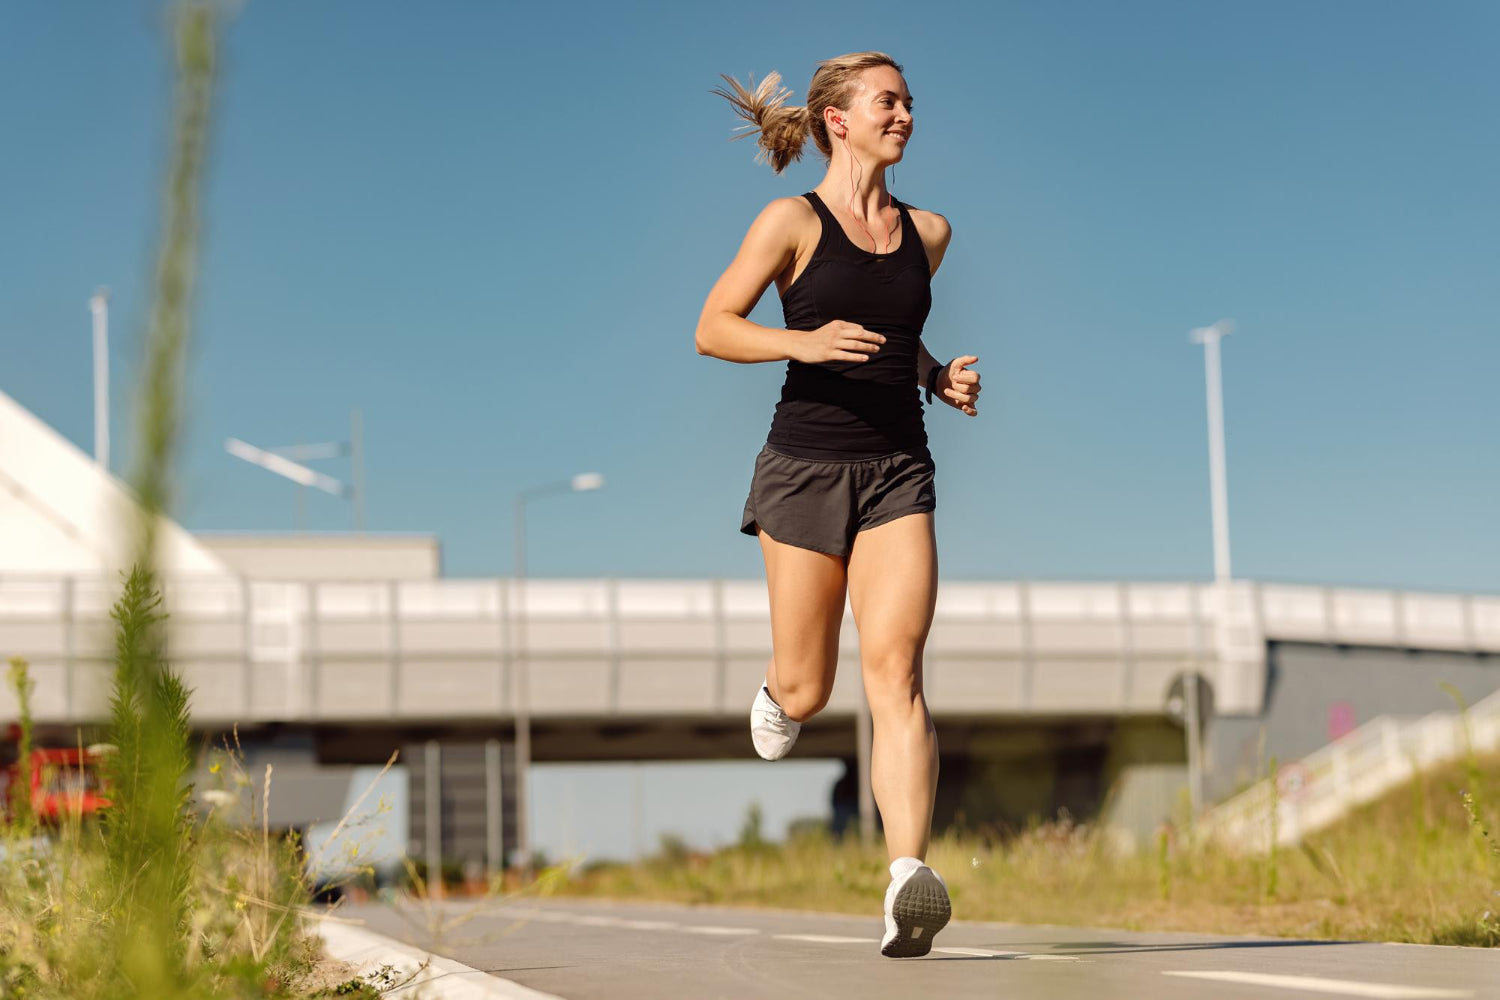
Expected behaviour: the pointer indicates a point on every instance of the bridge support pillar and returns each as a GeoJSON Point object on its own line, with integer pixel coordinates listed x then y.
{"type": "Point", "coordinates": [471, 811]}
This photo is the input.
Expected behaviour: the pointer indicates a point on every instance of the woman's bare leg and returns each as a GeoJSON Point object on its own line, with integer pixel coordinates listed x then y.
{"type": "Point", "coordinates": [893, 592]}
{"type": "Point", "coordinates": [807, 608]}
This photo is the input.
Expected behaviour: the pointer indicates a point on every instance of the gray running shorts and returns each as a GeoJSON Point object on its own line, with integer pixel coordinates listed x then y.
{"type": "Point", "coordinates": [820, 505]}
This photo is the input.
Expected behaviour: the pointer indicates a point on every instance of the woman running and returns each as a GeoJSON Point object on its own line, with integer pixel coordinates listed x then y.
{"type": "Point", "coordinates": [842, 494]}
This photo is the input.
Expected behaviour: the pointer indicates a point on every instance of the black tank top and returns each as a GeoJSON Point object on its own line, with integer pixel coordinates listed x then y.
{"type": "Point", "coordinates": [856, 409]}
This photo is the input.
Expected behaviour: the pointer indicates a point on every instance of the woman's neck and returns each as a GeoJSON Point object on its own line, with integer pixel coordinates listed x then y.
{"type": "Point", "coordinates": [869, 195]}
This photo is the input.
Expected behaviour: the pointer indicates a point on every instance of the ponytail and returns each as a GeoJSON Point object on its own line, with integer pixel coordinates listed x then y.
{"type": "Point", "coordinates": [782, 130]}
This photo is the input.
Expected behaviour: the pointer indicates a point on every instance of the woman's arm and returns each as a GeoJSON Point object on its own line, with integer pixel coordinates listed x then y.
{"type": "Point", "coordinates": [769, 246]}
{"type": "Point", "coordinates": [935, 233]}
{"type": "Point", "coordinates": [955, 385]}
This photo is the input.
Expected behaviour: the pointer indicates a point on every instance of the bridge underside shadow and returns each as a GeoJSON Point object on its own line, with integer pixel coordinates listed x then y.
{"type": "Point", "coordinates": [997, 774]}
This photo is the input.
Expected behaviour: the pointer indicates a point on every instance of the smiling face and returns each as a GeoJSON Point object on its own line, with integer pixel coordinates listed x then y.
{"type": "Point", "coordinates": [878, 118]}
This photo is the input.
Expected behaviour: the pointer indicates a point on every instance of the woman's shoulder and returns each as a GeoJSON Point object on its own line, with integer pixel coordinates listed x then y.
{"type": "Point", "coordinates": [794, 210]}
{"type": "Point", "coordinates": [786, 220]}
{"type": "Point", "coordinates": [933, 226]}
{"type": "Point", "coordinates": [934, 231]}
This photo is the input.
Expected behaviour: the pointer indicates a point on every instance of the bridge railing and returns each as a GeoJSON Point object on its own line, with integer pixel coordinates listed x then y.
{"type": "Point", "coordinates": [363, 651]}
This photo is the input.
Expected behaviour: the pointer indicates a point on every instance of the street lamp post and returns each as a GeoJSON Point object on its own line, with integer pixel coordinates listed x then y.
{"type": "Point", "coordinates": [99, 307]}
{"type": "Point", "coordinates": [522, 667]}
{"type": "Point", "coordinates": [1209, 337]}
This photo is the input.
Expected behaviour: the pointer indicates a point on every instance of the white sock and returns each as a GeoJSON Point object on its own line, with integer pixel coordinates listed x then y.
{"type": "Point", "coordinates": [901, 866]}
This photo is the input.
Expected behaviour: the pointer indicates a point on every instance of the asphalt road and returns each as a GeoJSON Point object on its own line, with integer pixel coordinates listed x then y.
{"type": "Point", "coordinates": [582, 950]}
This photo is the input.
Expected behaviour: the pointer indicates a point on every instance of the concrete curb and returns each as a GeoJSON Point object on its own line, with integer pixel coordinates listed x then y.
{"type": "Point", "coordinates": [442, 979]}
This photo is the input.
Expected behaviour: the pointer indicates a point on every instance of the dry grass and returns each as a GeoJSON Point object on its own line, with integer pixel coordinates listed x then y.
{"type": "Point", "coordinates": [58, 902]}
{"type": "Point", "coordinates": [1411, 867]}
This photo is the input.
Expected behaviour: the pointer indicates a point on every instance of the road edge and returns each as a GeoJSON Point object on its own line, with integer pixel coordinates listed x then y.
{"type": "Point", "coordinates": [431, 976]}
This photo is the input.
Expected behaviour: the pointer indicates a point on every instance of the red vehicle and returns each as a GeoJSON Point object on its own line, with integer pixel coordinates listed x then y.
{"type": "Point", "coordinates": [64, 781]}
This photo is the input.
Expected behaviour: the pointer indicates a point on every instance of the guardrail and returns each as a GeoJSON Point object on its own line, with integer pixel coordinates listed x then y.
{"type": "Point", "coordinates": [1323, 787]}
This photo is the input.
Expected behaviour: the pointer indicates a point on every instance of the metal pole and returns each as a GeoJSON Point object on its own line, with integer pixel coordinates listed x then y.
{"type": "Point", "coordinates": [1210, 337]}
{"type": "Point", "coordinates": [1190, 699]}
{"type": "Point", "coordinates": [99, 306]}
{"type": "Point", "coordinates": [494, 815]}
{"type": "Point", "coordinates": [637, 812]}
{"type": "Point", "coordinates": [1194, 744]}
{"type": "Point", "coordinates": [1218, 476]}
{"type": "Point", "coordinates": [522, 667]}
{"type": "Point", "coordinates": [864, 736]}
{"type": "Point", "coordinates": [521, 672]}
{"type": "Point", "coordinates": [357, 452]}
{"type": "Point", "coordinates": [433, 810]}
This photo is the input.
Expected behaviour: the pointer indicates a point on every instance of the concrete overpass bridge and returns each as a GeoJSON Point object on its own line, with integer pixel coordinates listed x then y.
{"type": "Point", "coordinates": [443, 651]}
{"type": "Point", "coordinates": [1046, 694]}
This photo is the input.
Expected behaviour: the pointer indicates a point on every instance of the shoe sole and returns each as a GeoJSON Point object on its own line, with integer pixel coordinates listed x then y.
{"type": "Point", "coordinates": [921, 909]}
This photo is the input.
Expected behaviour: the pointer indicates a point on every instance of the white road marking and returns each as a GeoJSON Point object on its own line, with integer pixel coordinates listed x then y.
{"type": "Point", "coordinates": [542, 915]}
{"type": "Point", "coordinates": [591, 920]}
{"type": "Point", "coordinates": [1315, 984]}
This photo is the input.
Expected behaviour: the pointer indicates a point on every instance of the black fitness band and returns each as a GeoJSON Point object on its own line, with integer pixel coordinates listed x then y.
{"type": "Point", "coordinates": [932, 378]}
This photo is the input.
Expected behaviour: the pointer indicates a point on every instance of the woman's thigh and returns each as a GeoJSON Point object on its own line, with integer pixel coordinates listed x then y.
{"type": "Point", "coordinates": [893, 592]}
{"type": "Point", "coordinates": [807, 607]}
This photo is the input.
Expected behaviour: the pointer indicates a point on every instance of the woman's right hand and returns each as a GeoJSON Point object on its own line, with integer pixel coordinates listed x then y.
{"type": "Point", "coordinates": [835, 341]}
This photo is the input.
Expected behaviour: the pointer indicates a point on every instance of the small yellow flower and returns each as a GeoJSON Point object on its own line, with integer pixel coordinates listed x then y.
{"type": "Point", "coordinates": [215, 767]}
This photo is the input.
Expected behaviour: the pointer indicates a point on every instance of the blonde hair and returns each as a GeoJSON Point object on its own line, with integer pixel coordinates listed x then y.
{"type": "Point", "coordinates": [783, 130]}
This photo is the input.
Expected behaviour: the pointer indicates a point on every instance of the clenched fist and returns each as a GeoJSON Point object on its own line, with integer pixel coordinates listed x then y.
{"type": "Point", "coordinates": [959, 387]}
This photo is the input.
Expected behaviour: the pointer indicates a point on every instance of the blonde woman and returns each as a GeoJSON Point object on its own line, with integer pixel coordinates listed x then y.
{"type": "Point", "coordinates": [842, 494]}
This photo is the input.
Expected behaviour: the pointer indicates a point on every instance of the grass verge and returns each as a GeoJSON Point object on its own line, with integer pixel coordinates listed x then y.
{"type": "Point", "coordinates": [1418, 865]}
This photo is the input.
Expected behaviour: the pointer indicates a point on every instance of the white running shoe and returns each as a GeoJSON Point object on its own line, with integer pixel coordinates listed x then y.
{"type": "Point", "coordinates": [916, 908]}
{"type": "Point", "coordinates": [771, 730]}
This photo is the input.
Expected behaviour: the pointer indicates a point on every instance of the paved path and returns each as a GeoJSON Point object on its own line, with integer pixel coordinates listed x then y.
{"type": "Point", "coordinates": [582, 950]}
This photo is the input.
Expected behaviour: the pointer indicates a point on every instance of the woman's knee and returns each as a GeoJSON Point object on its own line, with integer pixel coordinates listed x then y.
{"type": "Point", "coordinates": [801, 700]}
{"type": "Point", "coordinates": [893, 676]}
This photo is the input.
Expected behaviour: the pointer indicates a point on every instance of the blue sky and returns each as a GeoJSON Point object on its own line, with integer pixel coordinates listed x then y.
{"type": "Point", "coordinates": [491, 227]}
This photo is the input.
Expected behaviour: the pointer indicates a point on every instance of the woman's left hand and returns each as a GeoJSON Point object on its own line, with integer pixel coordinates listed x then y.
{"type": "Point", "coordinates": [959, 387]}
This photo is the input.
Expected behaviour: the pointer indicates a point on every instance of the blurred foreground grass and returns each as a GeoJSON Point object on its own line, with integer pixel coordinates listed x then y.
{"type": "Point", "coordinates": [149, 899]}
{"type": "Point", "coordinates": [1413, 866]}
